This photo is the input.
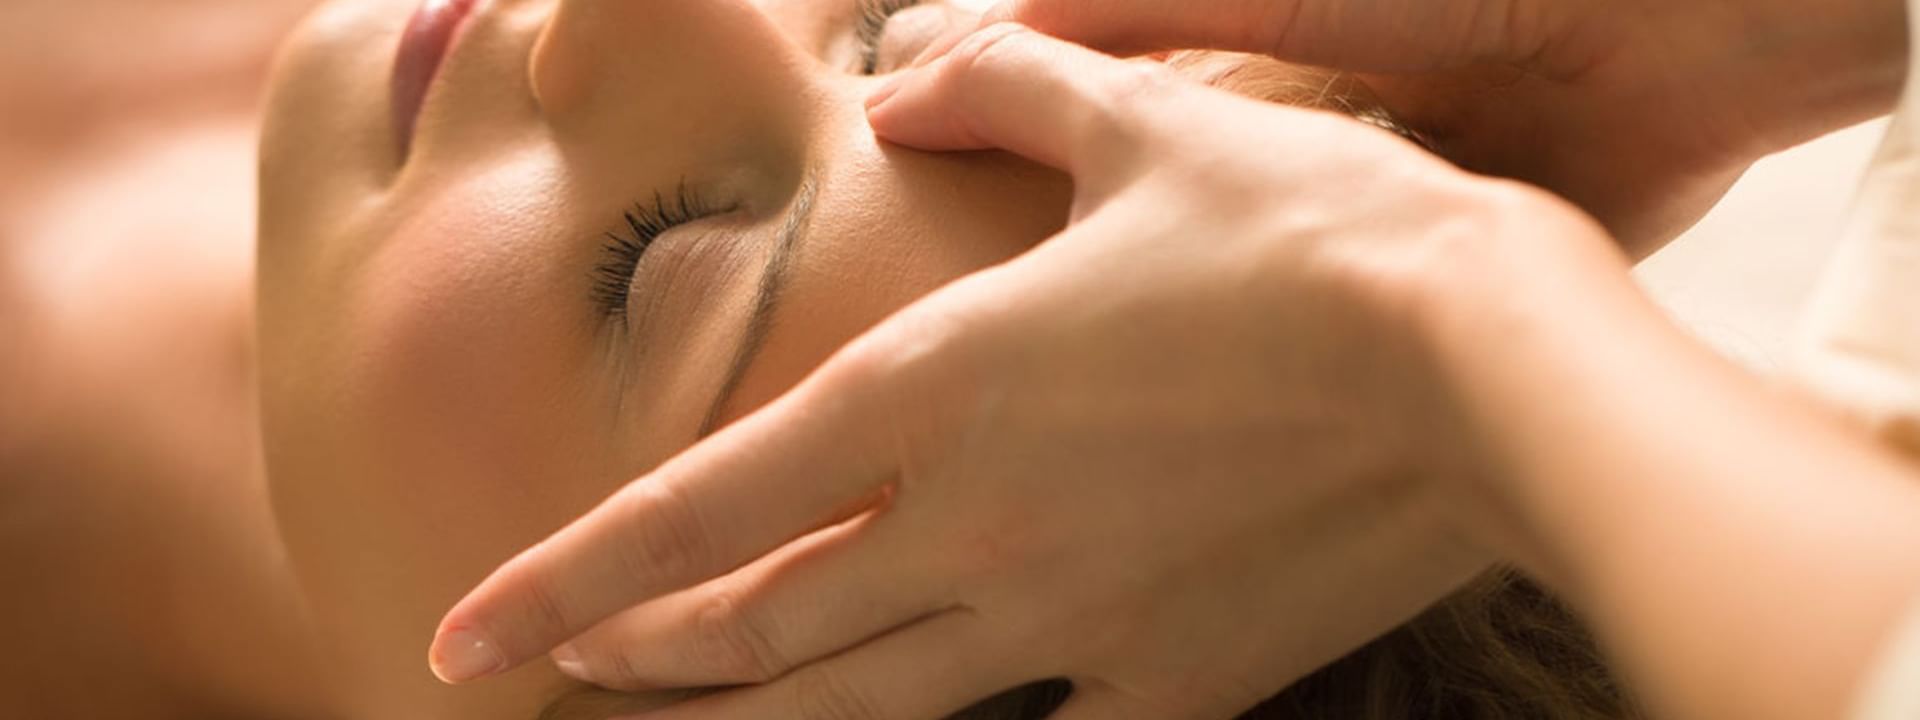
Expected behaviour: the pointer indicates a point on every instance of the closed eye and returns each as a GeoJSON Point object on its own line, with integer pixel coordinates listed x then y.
{"type": "Point", "coordinates": [625, 246]}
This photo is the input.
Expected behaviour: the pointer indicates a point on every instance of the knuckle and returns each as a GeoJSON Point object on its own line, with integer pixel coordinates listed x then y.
{"type": "Point", "coordinates": [730, 639]}
{"type": "Point", "coordinates": [826, 695]}
{"type": "Point", "coordinates": [982, 56]}
{"type": "Point", "coordinates": [929, 349]}
{"type": "Point", "coordinates": [1131, 88]}
{"type": "Point", "coordinates": [925, 336]}
{"type": "Point", "coordinates": [545, 605]}
{"type": "Point", "coordinates": [620, 669]}
{"type": "Point", "coordinates": [666, 541]}
{"type": "Point", "coordinates": [610, 664]}
{"type": "Point", "coordinates": [928, 374]}
{"type": "Point", "coordinates": [991, 46]}
{"type": "Point", "coordinates": [1122, 108]}
{"type": "Point", "coordinates": [978, 62]}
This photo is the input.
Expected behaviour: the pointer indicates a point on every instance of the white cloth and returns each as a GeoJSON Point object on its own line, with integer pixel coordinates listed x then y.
{"type": "Point", "coordinates": [1892, 692]}
{"type": "Point", "coordinates": [1860, 344]}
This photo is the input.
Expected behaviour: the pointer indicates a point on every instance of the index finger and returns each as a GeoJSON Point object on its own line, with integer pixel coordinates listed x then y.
{"type": "Point", "coordinates": [1008, 87]}
{"type": "Point", "coordinates": [792, 468]}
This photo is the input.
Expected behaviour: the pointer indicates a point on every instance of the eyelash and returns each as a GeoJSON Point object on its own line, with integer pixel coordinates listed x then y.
{"type": "Point", "coordinates": [874, 15]}
{"type": "Point", "coordinates": [645, 223]}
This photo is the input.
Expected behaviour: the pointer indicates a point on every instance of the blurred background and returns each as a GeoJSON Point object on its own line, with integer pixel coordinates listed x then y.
{"type": "Point", "coordinates": [127, 131]}
{"type": "Point", "coordinates": [1740, 278]}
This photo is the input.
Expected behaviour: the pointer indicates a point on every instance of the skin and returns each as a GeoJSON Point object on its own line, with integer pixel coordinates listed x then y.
{"type": "Point", "coordinates": [377, 328]}
{"type": "Point", "coordinates": [438, 386]}
{"type": "Point", "coordinates": [1449, 327]}
{"type": "Point", "coordinates": [281, 658]}
{"type": "Point", "coordinates": [1060, 495]}
{"type": "Point", "coordinates": [135, 544]}
{"type": "Point", "coordinates": [1642, 112]}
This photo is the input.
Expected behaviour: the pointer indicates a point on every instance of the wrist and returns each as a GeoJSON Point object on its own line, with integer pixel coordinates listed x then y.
{"type": "Point", "coordinates": [1501, 317]}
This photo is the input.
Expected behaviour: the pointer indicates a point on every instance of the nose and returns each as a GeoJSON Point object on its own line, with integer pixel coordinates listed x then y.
{"type": "Point", "coordinates": [665, 58]}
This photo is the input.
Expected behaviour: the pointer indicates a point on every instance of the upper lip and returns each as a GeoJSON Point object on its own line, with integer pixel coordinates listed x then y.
{"type": "Point", "coordinates": [423, 46]}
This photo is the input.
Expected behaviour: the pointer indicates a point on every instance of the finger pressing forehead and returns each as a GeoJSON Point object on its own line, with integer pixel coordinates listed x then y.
{"type": "Point", "coordinates": [1053, 102]}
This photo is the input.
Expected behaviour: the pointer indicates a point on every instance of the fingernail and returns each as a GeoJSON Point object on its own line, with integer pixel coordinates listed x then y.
{"type": "Point", "coordinates": [464, 655]}
{"type": "Point", "coordinates": [888, 89]}
{"type": "Point", "coordinates": [568, 660]}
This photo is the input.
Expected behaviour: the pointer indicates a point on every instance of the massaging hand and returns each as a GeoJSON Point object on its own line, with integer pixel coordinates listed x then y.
{"type": "Point", "coordinates": [1640, 111]}
{"type": "Point", "coordinates": [1182, 454]}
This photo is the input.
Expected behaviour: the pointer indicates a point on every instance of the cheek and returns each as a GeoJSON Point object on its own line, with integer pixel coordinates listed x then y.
{"type": "Point", "coordinates": [469, 352]}
{"type": "Point", "coordinates": [445, 420]}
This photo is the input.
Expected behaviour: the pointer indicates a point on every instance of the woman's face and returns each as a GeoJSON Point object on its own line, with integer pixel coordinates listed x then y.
{"type": "Point", "coordinates": [462, 345]}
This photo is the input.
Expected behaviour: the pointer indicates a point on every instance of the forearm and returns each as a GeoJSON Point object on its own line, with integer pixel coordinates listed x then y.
{"type": "Point", "coordinates": [1739, 554]}
{"type": "Point", "coordinates": [1811, 66]}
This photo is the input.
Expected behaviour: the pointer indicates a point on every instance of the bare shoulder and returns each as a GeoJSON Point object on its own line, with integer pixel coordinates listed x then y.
{"type": "Point", "coordinates": [128, 440]}
{"type": "Point", "coordinates": [129, 146]}
{"type": "Point", "coordinates": [129, 455]}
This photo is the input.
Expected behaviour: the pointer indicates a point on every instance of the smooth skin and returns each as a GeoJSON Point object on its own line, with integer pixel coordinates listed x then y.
{"type": "Point", "coordinates": [1367, 411]}
{"type": "Point", "coordinates": [1229, 469]}
{"type": "Point", "coordinates": [1642, 112]}
{"type": "Point", "coordinates": [1272, 430]}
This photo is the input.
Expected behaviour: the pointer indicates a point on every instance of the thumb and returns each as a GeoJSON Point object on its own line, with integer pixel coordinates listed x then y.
{"type": "Point", "coordinates": [1353, 35]}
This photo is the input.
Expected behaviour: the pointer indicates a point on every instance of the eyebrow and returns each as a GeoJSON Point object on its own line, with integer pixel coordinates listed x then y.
{"type": "Point", "coordinates": [766, 300]}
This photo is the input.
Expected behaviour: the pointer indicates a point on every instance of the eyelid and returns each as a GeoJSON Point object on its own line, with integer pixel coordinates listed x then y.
{"type": "Point", "coordinates": [870, 25]}
{"type": "Point", "coordinates": [686, 268]}
{"type": "Point", "coordinates": [625, 247]}
{"type": "Point", "coordinates": [912, 31]}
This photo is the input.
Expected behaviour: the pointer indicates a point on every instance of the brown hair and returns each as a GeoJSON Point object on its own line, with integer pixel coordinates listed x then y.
{"type": "Point", "coordinates": [1501, 649]}
{"type": "Point", "coordinates": [1263, 78]}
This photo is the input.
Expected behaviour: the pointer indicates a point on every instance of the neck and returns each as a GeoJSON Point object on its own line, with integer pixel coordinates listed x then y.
{"type": "Point", "coordinates": [150, 578]}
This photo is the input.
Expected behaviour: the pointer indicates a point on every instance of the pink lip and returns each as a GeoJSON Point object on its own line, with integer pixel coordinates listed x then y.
{"type": "Point", "coordinates": [424, 45]}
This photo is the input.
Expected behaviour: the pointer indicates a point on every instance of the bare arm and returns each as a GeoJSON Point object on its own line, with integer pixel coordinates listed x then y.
{"type": "Point", "coordinates": [1741, 554]}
